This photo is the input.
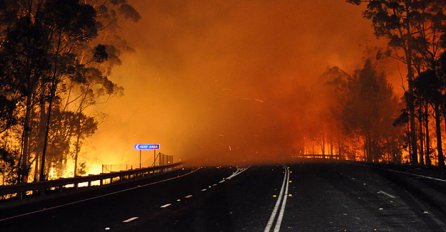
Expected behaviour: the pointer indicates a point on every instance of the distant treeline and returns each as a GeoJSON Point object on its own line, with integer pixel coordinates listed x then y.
{"type": "Point", "coordinates": [355, 116]}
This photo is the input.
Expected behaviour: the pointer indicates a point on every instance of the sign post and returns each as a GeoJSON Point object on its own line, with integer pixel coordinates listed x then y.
{"type": "Point", "coordinates": [142, 147]}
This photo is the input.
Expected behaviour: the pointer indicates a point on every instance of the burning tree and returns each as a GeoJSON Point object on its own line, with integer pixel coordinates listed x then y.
{"type": "Point", "coordinates": [55, 58]}
{"type": "Point", "coordinates": [415, 30]}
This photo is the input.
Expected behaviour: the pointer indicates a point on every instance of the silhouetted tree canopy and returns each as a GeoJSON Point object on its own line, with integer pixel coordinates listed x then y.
{"type": "Point", "coordinates": [53, 65]}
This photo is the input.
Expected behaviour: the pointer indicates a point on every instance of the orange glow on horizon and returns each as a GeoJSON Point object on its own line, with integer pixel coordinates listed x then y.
{"type": "Point", "coordinates": [205, 76]}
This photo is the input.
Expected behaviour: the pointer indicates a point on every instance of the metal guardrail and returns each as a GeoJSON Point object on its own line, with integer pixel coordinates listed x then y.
{"type": "Point", "coordinates": [40, 188]}
{"type": "Point", "coordinates": [317, 156]}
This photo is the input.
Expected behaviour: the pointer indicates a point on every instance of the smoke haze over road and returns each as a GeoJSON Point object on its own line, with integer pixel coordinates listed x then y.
{"type": "Point", "coordinates": [227, 81]}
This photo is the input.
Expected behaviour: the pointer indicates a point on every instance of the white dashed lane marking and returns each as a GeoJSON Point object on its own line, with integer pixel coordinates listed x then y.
{"type": "Point", "coordinates": [236, 173]}
{"type": "Point", "coordinates": [165, 206]}
{"type": "Point", "coordinates": [130, 219]}
{"type": "Point", "coordinates": [386, 194]}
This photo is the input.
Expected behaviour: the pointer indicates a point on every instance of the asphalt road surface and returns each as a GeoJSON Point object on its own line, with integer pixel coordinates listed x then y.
{"type": "Point", "coordinates": [294, 197]}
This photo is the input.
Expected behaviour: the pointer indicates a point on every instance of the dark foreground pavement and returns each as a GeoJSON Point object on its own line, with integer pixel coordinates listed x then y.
{"type": "Point", "coordinates": [297, 197]}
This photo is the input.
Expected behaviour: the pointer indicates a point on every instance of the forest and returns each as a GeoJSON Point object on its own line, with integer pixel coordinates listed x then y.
{"type": "Point", "coordinates": [372, 121]}
{"type": "Point", "coordinates": [56, 58]}
{"type": "Point", "coordinates": [359, 115]}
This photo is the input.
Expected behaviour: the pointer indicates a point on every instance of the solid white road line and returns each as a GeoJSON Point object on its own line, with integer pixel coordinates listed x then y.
{"type": "Point", "coordinates": [276, 206]}
{"type": "Point", "coordinates": [236, 173]}
{"type": "Point", "coordinates": [416, 175]}
{"type": "Point", "coordinates": [130, 219]}
{"type": "Point", "coordinates": [282, 209]}
{"type": "Point", "coordinates": [165, 206]}
{"type": "Point", "coordinates": [386, 194]}
{"type": "Point", "coordinates": [96, 197]}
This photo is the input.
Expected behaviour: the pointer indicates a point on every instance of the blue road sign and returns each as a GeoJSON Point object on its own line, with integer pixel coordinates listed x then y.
{"type": "Point", "coordinates": [147, 146]}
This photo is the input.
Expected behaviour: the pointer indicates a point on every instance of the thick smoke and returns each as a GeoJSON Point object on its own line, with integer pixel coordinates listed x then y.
{"type": "Point", "coordinates": [226, 81]}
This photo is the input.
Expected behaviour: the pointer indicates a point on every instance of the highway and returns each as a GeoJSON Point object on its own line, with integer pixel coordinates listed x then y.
{"type": "Point", "coordinates": [320, 196]}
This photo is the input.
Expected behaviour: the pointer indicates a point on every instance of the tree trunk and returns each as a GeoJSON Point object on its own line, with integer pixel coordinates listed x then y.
{"type": "Point", "coordinates": [41, 136]}
{"type": "Point", "coordinates": [47, 129]}
{"type": "Point", "coordinates": [444, 119]}
{"type": "Point", "coordinates": [77, 149]}
{"type": "Point", "coordinates": [339, 149]}
{"type": "Point", "coordinates": [410, 76]}
{"type": "Point", "coordinates": [438, 132]}
{"type": "Point", "coordinates": [413, 136]}
{"type": "Point", "coordinates": [426, 127]}
{"type": "Point", "coordinates": [420, 122]}
{"type": "Point", "coordinates": [323, 147]}
{"type": "Point", "coordinates": [36, 168]}
{"type": "Point", "coordinates": [22, 174]}
{"type": "Point", "coordinates": [365, 148]}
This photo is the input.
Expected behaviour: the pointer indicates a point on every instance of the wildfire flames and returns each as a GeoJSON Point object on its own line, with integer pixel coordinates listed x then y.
{"type": "Point", "coordinates": [227, 82]}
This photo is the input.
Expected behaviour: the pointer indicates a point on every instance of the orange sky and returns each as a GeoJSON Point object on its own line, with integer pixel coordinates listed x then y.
{"type": "Point", "coordinates": [226, 80]}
